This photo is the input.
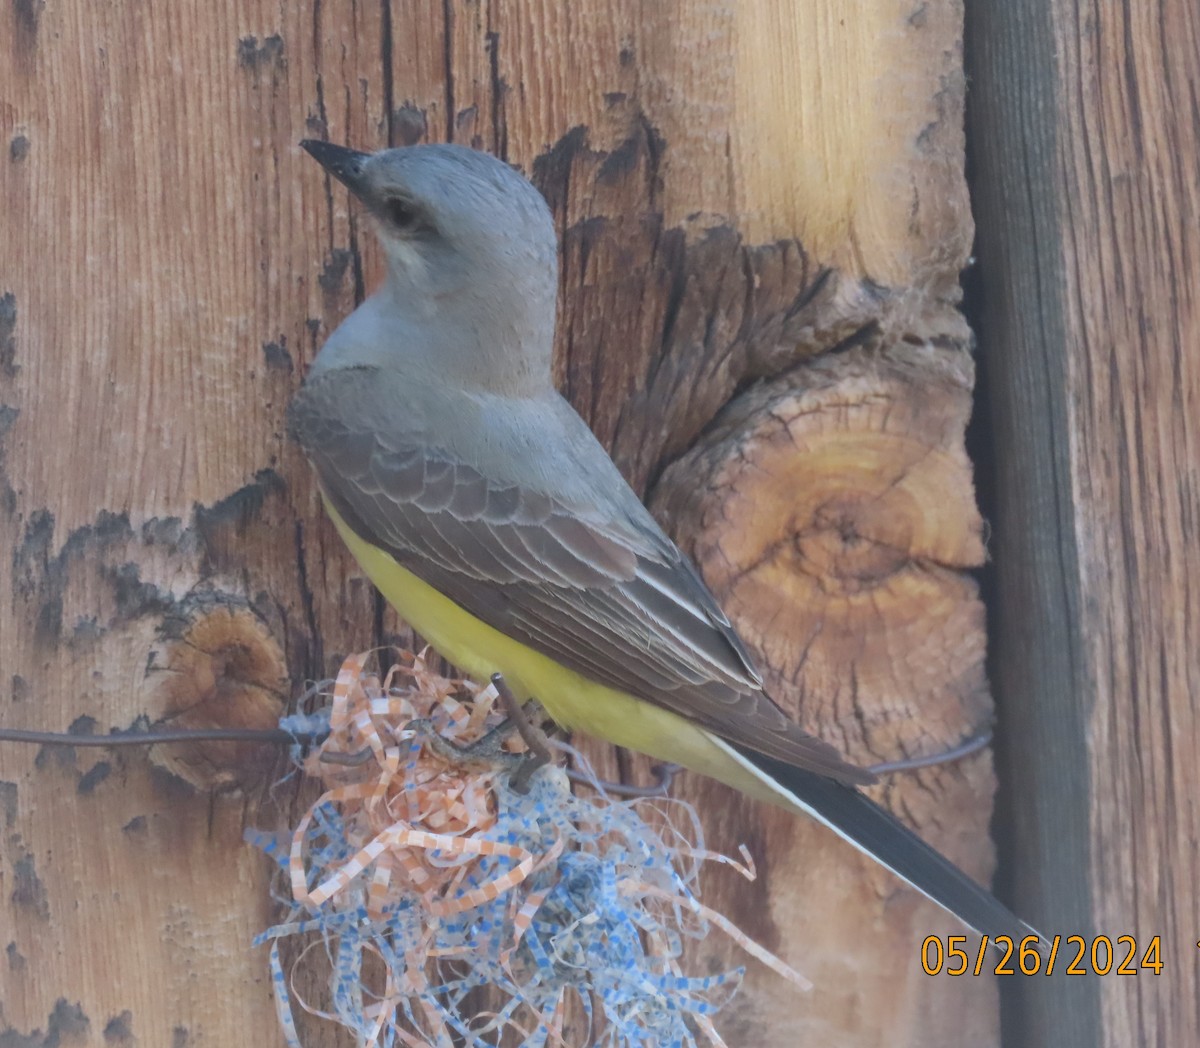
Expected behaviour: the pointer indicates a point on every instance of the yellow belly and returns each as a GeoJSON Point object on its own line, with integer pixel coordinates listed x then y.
{"type": "Point", "coordinates": [574, 701]}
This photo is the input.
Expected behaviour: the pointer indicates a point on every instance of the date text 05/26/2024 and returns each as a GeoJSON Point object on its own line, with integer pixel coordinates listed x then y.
{"type": "Point", "coordinates": [1070, 954]}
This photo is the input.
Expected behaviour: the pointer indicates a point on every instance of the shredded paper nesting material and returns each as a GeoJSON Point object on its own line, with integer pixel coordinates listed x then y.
{"type": "Point", "coordinates": [418, 878]}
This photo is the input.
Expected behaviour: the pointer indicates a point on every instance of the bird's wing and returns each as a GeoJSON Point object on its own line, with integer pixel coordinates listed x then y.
{"type": "Point", "coordinates": [611, 597]}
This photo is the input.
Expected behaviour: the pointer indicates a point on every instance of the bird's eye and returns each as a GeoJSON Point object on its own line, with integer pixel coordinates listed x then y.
{"type": "Point", "coordinates": [401, 213]}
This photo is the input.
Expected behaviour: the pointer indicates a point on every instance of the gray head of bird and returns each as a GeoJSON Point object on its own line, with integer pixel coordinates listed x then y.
{"type": "Point", "coordinates": [456, 225]}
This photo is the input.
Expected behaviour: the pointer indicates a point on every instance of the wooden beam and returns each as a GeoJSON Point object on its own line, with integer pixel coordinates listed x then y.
{"type": "Point", "coordinates": [1087, 190]}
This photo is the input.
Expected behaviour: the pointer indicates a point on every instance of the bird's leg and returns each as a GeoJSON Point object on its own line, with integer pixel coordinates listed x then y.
{"type": "Point", "coordinates": [535, 738]}
{"type": "Point", "coordinates": [488, 749]}
{"type": "Point", "coordinates": [539, 750]}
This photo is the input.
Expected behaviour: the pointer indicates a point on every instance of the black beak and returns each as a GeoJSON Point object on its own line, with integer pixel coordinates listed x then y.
{"type": "Point", "coordinates": [346, 165]}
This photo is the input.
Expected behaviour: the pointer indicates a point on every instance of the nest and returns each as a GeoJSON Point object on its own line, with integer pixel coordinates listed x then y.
{"type": "Point", "coordinates": [420, 876]}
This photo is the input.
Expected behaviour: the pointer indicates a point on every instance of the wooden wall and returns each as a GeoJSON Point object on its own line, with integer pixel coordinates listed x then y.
{"type": "Point", "coordinates": [763, 214]}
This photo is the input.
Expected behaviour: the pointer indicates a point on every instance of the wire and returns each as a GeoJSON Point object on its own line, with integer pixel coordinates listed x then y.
{"type": "Point", "coordinates": [279, 737]}
{"type": "Point", "coordinates": [956, 753]}
{"type": "Point", "coordinates": [276, 736]}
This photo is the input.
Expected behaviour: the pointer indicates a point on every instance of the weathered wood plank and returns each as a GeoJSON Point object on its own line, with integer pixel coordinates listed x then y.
{"type": "Point", "coordinates": [1088, 196]}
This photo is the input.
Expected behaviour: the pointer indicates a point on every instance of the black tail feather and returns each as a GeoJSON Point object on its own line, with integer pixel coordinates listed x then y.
{"type": "Point", "coordinates": [882, 836]}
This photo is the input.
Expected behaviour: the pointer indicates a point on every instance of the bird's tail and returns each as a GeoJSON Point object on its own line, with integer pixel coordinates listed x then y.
{"type": "Point", "coordinates": [880, 835]}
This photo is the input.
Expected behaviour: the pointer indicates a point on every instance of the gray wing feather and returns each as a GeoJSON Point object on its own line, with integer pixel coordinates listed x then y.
{"type": "Point", "coordinates": [613, 599]}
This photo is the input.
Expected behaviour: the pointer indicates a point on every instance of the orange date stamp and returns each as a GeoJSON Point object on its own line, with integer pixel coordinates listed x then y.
{"type": "Point", "coordinates": [1069, 954]}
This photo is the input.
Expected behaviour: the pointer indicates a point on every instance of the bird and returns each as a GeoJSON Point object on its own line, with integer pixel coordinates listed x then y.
{"type": "Point", "coordinates": [490, 517]}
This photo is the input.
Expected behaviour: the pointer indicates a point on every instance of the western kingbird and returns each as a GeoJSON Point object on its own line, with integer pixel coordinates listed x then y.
{"type": "Point", "coordinates": [489, 516]}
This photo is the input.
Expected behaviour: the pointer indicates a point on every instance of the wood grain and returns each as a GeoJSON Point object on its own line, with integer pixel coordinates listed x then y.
{"type": "Point", "coordinates": [167, 266]}
{"type": "Point", "coordinates": [834, 513]}
{"type": "Point", "coordinates": [727, 214]}
{"type": "Point", "coordinates": [1088, 189]}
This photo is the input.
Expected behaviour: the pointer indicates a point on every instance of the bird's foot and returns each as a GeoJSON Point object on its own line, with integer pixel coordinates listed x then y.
{"type": "Point", "coordinates": [537, 746]}
{"type": "Point", "coordinates": [487, 751]}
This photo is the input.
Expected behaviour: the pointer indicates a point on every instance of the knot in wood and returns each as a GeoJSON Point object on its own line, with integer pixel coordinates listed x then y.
{"type": "Point", "coordinates": [839, 547]}
{"type": "Point", "coordinates": [833, 514]}
{"type": "Point", "coordinates": [223, 669]}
